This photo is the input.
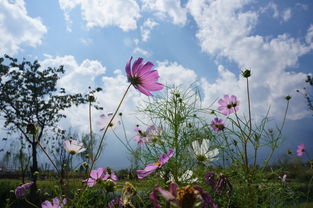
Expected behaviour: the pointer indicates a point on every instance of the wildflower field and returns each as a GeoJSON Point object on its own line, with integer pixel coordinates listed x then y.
{"type": "Point", "coordinates": [182, 155]}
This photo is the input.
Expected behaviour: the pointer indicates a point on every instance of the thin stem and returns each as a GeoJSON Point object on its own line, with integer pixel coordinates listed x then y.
{"type": "Point", "coordinates": [90, 132]}
{"type": "Point", "coordinates": [106, 129]}
{"type": "Point", "coordinates": [308, 192]}
{"type": "Point", "coordinates": [249, 108]}
{"type": "Point", "coordinates": [49, 157]}
{"type": "Point", "coordinates": [32, 204]}
{"type": "Point", "coordinates": [245, 149]}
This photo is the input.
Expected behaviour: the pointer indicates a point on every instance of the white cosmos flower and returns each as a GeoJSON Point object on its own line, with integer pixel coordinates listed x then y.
{"type": "Point", "coordinates": [73, 147]}
{"type": "Point", "coordinates": [202, 151]}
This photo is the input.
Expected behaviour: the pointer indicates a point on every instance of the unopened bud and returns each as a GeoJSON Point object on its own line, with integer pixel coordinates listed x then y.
{"type": "Point", "coordinates": [246, 73]}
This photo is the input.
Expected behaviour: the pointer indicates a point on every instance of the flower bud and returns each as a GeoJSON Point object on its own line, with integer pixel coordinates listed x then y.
{"type": "Point", "coordinates": [288, 97]}
{"type": "Point", "coordinates": [246, 73]}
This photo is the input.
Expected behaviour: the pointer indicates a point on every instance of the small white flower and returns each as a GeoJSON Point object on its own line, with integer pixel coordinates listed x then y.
{"type": "Point", "coordinates": [186, 177]}
{"type": "Point", "coordinates": [73, 147]}
{"type": "Point", "coordinates": [283, 179]}
{"type": "Point", "coordinates": [202, 151]}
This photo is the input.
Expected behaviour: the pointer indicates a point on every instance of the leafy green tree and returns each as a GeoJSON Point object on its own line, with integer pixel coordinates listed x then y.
{"type": "Point", "coordinates": [30, 101]}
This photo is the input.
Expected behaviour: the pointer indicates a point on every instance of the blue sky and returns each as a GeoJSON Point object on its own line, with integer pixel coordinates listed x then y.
{"type": "Point", "coordinates": [188, 40]}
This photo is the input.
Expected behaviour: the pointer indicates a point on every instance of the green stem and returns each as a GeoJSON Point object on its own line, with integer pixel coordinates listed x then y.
{"type": "Point", "coordinates": [106, 129]}
{"type": "Point", "coordinates": [90, 132]}
{"type": "Point", "coordinates": [49, 157]}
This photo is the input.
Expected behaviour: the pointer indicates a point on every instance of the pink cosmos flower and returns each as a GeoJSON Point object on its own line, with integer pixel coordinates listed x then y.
{"type": "Point", "coordinates": [147, 136]}
{"type": "Point", "coordinates": [56, 203]}
{"type": "Point", "coordinates": [228, 105]}
{"type": "Point", "coordinates": [105, 119]}
{"type": "Point", "coordinates": [142, 77]}
{"type": "Point", "coordinates": [101, 174]}
{"type": "Point", "coordinates": [150, 168]}
{"type": "Point", "coordinates": [217, 124]}
{"type": "Point", "coordinates": [109, 174]}
{"type": "Point", "coordinates": [300, 150]}
{"type": "Point", "coordinates": [20, 191]}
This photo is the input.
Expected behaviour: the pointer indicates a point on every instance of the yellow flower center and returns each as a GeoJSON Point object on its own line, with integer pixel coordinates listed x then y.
{"type": "Point", "coordinates": [72, 152]}
{"type": "Point", "coordinates": [158, 163]}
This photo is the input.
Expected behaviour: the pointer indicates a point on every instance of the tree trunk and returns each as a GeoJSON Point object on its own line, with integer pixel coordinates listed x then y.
{"type": "Point", "coordinates": [34, 168]}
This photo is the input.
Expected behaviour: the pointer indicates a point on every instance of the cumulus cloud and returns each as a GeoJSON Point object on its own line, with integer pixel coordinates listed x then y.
{"type": "Point", "coordinates": [17, 28]}
{"type": "Point", "coordinates": [224, 29]}
{"type": "Point", "coordinates": [166, 8]}
{"type": "Point", "coordinates": [99, 13]}
{"type": "Point", "coordinates": [146, 28]}
{"type": "Point", "coordinates": [78, 77]}
{"type": "Point", "coordinates": [172, 73]}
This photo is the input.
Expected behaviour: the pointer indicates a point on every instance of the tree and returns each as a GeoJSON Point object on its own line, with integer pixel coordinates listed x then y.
{"type": "Point", "coordinates": [31, 103]}
{"type": "Point", "coordinates": [307, 93]}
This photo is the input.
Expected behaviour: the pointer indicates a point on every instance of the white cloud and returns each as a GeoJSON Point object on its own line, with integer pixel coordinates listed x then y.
{"type": "Point", "coordinates": [146, 28]}
{"type": "Point", "coordinates": [103, 13]}
{"type": "Point", "coordinates": [86, 41]}
{"type": "Point", "coordinates": [141, 51]}
{"type": "Point", "coordinates": [172, 73]}
{"type": "Point", "coordinates": [286, 15]}
{"type": "Point", "coordinates": [283, 16]}
{"type": "Point", "coordinates": [302, 6]}
{"type": "Point", "coordinates": [166, 8]}
{"type": "Point", "coordinates": [78, 77]}
{"type": "Point", "coordinates": [224, 29]}
{"type": "Point", "coordinates": [17, 28]}
{"type": "Point", "coordinates": [309, 35]}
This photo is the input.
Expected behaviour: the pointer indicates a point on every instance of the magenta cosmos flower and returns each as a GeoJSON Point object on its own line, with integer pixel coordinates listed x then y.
{"type": "Point", "coordinates": [300, 150]}
{"type": "Point", "coordinates": [228, 105]}
{"type": "Point", "coordinates": [142, 77]}
{"type": "Point", "coordinates": [146, 136]}
{"type": "Point", "coordinates": [101, 174]}
{"type": "Point", "coordinates": [56, 203]}
{"type": "Point", "coordinates": [21, 190]}
{"type": "Point", "coordinates": [150, 168]}
{"type": "Point", "coordinates": [217, 124]}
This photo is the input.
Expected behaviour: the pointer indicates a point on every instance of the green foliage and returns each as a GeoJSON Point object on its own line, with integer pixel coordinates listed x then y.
{"type": "Point", "coordinates": [178, 115]}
